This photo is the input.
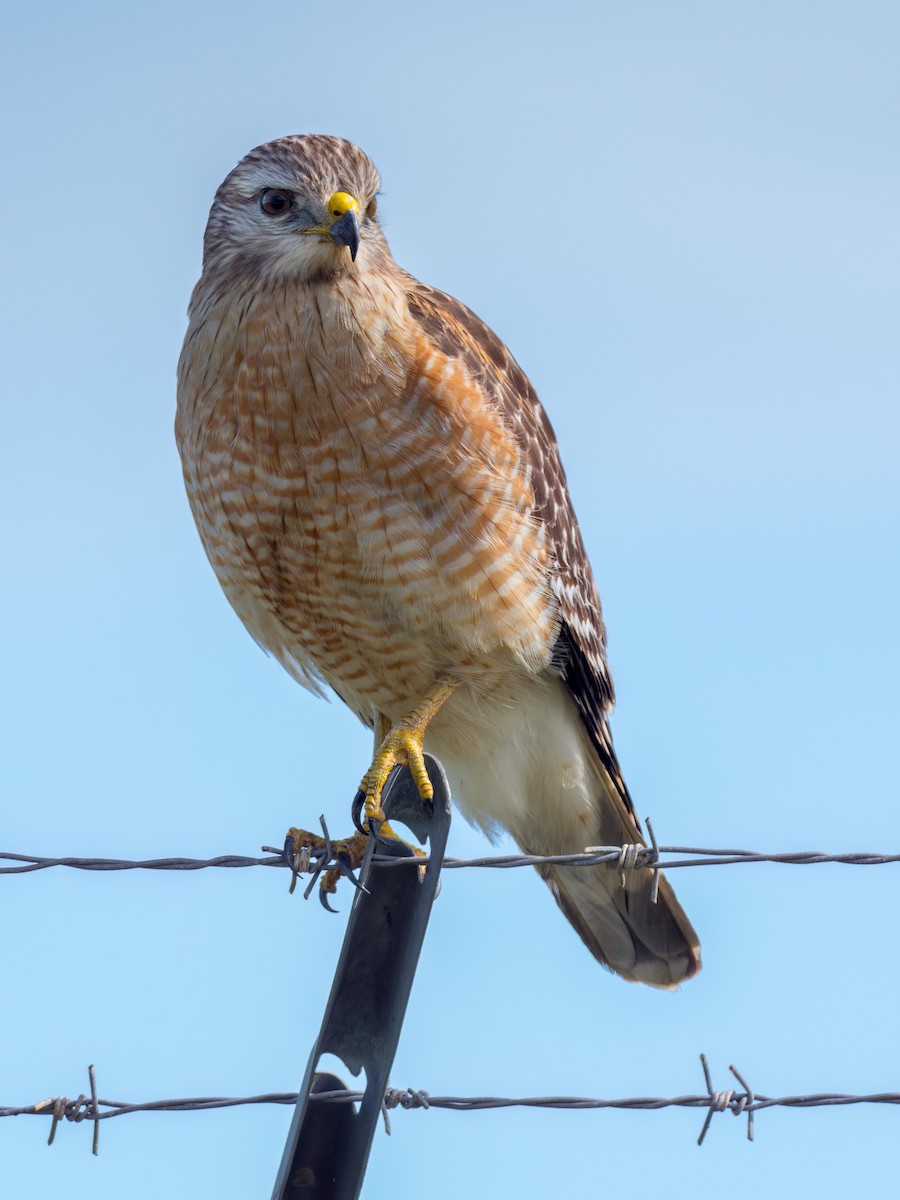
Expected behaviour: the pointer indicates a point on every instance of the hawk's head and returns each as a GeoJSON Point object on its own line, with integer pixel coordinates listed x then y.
{"type": "Point", "coordinates": [301, 207]}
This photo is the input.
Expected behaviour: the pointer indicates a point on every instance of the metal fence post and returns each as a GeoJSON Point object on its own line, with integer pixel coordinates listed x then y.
{"type": "Point", "coordinates": [328, 1144]}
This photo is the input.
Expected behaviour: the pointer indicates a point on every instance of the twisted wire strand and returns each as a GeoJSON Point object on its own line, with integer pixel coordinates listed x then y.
{"type": "Point", "coordinates": [739, 1103]}
{"type": "Point", "coordinates": [83, 1109]}
{"type": "Point", "coordinates": [629, 856]}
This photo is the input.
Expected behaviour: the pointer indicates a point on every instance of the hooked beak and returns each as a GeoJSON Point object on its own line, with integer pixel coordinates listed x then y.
{"type": "Point", "coordinates": [345, 231]}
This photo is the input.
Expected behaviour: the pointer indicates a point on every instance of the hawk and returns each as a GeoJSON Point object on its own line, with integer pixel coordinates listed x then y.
{"type": "Point", "coordinates": [381, 497]}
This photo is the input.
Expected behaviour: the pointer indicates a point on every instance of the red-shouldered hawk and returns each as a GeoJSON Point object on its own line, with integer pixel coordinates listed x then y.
{"type": "Point", "coordinates": [380, 494]}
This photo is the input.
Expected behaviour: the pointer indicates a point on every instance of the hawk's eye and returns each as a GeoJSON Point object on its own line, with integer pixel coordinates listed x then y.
{"type": "Point", "coordinates": [275, 203]}
{"type": "Point", "coordinates": [371, 210]}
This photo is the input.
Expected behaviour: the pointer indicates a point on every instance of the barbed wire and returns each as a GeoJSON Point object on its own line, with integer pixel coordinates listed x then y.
{"type": "Point", "coordinates": [627, 856]}
{"type": "Point", "coordinates": [745, 1102]}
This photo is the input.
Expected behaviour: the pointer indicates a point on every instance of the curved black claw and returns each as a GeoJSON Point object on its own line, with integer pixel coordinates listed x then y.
{"type": "Point", "coordinates": [343, 862]}
{"type": "Point", "coordinates": [288, 852]}
{"type": "Point", "coordinates": [323, 900]}
{"type": "Point", "coordinates": [374, 830]}
{"type": "Point", "coordinates": [356, 809]}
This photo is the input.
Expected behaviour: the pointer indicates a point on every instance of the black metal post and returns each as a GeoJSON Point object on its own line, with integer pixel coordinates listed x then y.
{"type": "Point", "coordinates": [328, 1145]}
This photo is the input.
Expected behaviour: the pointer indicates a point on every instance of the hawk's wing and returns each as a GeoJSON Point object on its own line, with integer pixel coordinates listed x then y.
{"type": "Point", "coordinates": [580, 652]}
{"type": "Point", "coordinates": [641, 935]}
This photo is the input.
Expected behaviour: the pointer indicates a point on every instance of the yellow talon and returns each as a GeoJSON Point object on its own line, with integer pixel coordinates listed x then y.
{"type": "Point", "coordinates": [353, 847]}
{"type": "Point", "coordinates": [301, 846]}
{"type": "Point", "coordinates": [400, 744]}
{"type": "Point", "coordinates": [403, 746]}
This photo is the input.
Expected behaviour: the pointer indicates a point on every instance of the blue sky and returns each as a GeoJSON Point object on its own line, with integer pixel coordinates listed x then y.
{"type": "Point", "coordinates": [683, 220]}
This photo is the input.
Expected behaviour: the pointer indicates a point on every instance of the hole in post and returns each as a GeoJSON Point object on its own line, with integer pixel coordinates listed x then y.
{"type": "Point", "coordinates": [334, 1065]}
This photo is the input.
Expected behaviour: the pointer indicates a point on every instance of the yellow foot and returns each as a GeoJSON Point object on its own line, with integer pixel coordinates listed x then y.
{"type": "Point", "coordinates": [305, 851]}
{"type": "Point", "coordinates": [402, 747]}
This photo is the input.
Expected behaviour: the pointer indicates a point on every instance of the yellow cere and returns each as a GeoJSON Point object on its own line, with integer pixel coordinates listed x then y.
{"type": "Point", "coordinates": [341, 203]}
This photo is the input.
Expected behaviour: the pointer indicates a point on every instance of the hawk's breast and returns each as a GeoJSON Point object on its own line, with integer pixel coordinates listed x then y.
{"type": "Point", "coordinates": [365, 508]}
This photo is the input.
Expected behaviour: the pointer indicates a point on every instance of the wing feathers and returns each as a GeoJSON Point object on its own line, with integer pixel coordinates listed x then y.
{"type": "Point", "coordinates": [622, 927]}
{"type": "Point", "coordinates": [580, 653]}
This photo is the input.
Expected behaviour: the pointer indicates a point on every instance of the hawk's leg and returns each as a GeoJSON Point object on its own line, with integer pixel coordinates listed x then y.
{"type": "Point", "coordinates": [401, 745]}
{"type": "Point", "coordinates": [394, 744]}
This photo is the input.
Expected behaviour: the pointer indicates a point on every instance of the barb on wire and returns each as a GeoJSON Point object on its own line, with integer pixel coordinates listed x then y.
{"type": "Point", "coordinates": [727, 1100]}
{"type": "Point", "coordinates": [72, 1110]}
{"type": "Point", "coordinates": [636, 855]}
{"type": "Point", "coordinates": [747, 1101]}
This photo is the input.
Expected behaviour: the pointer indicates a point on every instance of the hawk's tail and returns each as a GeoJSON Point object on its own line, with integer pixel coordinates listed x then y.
{"type": "Point", "coordinates": [613, 910]}
{"type": "Point", "coordinates": [531, 768]}
{"type": "Point", "coordinates": [622, 927]}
